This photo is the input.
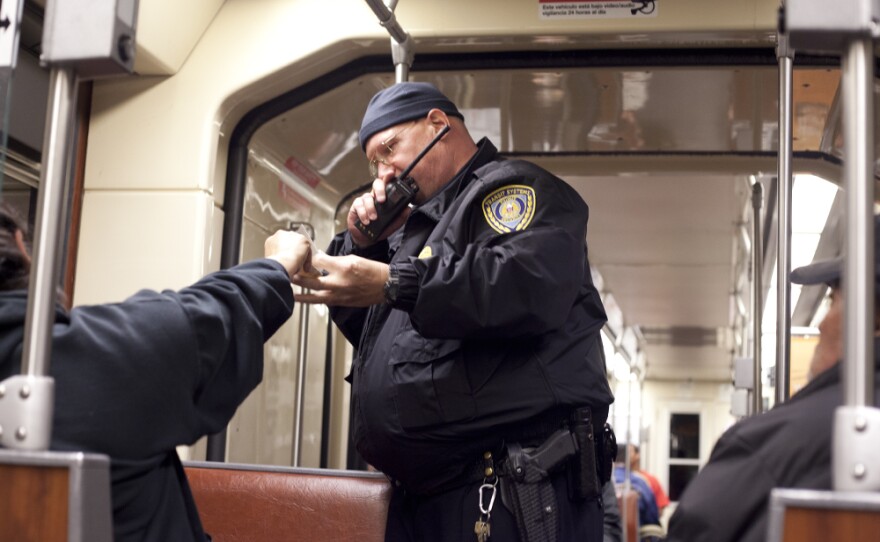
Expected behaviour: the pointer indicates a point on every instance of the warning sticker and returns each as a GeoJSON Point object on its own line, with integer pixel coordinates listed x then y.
{"type": "Point", "coordinates": [595, 9]}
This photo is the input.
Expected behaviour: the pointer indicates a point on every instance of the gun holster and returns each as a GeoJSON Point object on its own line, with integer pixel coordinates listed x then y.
{"type": "Point", "coordinates": [526, 488]}
{"type": "Point", "coordinates": [583, 474]}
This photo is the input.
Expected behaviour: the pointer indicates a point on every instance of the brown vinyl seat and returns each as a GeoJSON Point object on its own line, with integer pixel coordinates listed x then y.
{"type": "Point", "coordinates": [250, 503]}
{"type": "Point", "coordinates": [805, 515]}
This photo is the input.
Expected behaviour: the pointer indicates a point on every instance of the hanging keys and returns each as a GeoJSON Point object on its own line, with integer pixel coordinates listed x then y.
{"type": "Point", "coordinates": [482, 529]}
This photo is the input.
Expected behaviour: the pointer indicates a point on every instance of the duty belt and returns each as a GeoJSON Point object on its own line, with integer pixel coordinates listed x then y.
{"type": "Point", "coordinates": [533, 437]}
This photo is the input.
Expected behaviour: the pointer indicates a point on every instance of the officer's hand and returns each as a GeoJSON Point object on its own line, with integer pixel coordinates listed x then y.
{"type": "Point", "coordinates": [364, 208]}
{"type": "Point", "coordinates": [348, 281]}
{"type": "Point", "coordinates": [292, 250]}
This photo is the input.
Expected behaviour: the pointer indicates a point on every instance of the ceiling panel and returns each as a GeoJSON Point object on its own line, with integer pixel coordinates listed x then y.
{"type": "Point", "coordinates": [694, 363]}
{"type": "Point", "coordinates": [655, 296]}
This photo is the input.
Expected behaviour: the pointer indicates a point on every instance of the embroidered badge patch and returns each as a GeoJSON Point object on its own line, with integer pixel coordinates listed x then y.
{"type": "Point", "coordinates": [426, 252]}
{"type": "Point", "coordinates": [510, 208]}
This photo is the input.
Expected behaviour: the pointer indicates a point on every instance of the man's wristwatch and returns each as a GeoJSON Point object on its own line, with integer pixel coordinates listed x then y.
{"type": "Point", "coordinates": [392, 285]}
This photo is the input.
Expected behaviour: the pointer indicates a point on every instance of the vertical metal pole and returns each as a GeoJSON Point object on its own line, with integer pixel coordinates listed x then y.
{"type": "Point", "coordinates": [858, 109]}
{"type": "Point", "coordinates": [783, 230]}
{"type": "Point", "coordinates": [627, 482]}
{"type": "Point", "coordinates": [401, 73]}
{"type": "Point", "coordinates": [301, 383]}
{"type": "Point", "coordinates": [401, 42]}
{"type": "Point", "coordinates": [856, 465]}
{"type": "Point", "coordinates": [757, 294]}
{"type": "Point", "coordinates": [48, 232]}
{"type": "Point", "coordinates": [402, 54]}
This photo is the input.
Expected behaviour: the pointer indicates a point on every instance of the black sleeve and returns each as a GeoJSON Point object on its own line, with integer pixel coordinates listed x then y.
{"type": "Point", "coordinates": [164, 369]}
{"type": "Point", "coordinates": [351, 320]}
{"type": "Point", "coordinates": [504, 284]}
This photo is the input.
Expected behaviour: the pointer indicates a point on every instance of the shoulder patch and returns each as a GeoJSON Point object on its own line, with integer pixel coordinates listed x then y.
{"type": "Point", "coordinates": [510, 208]}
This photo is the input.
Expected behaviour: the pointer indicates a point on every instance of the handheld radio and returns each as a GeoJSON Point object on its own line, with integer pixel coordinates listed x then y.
{"type": "Point", "coordinates": [399, 192]}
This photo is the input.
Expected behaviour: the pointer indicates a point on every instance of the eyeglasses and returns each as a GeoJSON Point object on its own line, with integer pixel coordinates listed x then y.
{"type": "Point", "coordinates": [385, 151]}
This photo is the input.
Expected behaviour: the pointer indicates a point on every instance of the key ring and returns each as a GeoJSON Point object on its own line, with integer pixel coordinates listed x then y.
{"type": "Point", "coordinates": [487, 510]}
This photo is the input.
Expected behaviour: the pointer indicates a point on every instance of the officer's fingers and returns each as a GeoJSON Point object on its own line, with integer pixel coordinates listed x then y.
{"type": "Point", "coordinates": [328, 271]}
{"type": "Point", "coordinates": [345, 271]}
{"type": "Point", "coordinates": [359, 238]}
{"type": "Point", "coordinates": [379, 189]}
{"type": "Point", "coordinates": [358, 211]}
{"type": "Point", "coordinates": [311, 282]}
{"type": "Point", "coordinates": [322, 260]}
{"type": "Point", "coordinates": [365, 208]}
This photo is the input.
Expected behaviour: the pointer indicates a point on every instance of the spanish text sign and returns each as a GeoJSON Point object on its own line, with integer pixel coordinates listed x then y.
{"type": "Point", "coordinates": [595, 9]}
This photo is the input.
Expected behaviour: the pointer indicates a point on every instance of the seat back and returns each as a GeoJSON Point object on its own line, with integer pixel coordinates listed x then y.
{"type": "Point", "coordinates": [818, 516]}
{"type": "Point", "coordinates": [55, 497]}
{"type": "Point", "coordinates": [247, 503]}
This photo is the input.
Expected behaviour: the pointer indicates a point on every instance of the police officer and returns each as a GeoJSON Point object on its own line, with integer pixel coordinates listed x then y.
{"type": "Point", "coordinates": [477, 329]}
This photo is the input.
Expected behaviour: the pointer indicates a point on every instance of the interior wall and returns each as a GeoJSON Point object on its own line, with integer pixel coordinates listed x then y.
{"type": "Point", "coordinates": [161, 135]}
{"type": "Point", "coordinates": [167, 31]}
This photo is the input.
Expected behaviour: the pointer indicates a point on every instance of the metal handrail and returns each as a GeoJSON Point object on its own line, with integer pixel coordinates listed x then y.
{"type": "Point", "coordinates": [302, 361]}
{"type": "Point", "coordinates": [858, 108]}
{"type": "Point", "coordinates": [757, 295]}
{"type": "Point", "coordinates": [401, 41]}
{"type": "Point", "coordinates": [785, 56]}
{"type": "Point", "coordinates": [46, 269]}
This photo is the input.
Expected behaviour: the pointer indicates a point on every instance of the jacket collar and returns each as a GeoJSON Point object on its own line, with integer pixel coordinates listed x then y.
{"type": "Point", "coordinates": [435, 207]}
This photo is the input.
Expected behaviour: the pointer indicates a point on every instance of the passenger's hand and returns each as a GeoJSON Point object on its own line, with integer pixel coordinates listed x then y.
{"type": "Point", "coordinates": [348, 281]}
{"type": "Point", "coordinates": [292, 250]}
{"type": "Point", "coordinates": [364, 208]}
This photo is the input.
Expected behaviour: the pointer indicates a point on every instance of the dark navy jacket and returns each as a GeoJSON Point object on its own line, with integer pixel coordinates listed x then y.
{"type": "Point", "coordinates": [788, 446]}
{"type": "Point", "coordinates": [135, 379]}
{"type": "Point", "coordinates": [497, 322]}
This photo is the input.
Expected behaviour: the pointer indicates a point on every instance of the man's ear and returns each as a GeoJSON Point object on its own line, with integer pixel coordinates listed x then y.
{"type": "Point", "coordinates": [437, 119]}
{"type": "Point", "coordinates": [19, 242]}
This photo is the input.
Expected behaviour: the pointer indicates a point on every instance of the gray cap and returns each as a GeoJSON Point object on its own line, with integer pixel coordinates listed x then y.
{"type": "Point", "coordinates": [830, 271]}
{"type": "Point", "coordinates": [400, 103]}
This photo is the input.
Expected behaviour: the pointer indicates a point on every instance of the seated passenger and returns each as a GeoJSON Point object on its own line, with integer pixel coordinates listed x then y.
{"type": "Point", "coordinates": [648, 513]}
{"type": "Point", "coordinates": [789, 446]}
{"type": "Point", "coordinates": [133, 380]}
{"type": "Point", "coordinates": [660, 496]}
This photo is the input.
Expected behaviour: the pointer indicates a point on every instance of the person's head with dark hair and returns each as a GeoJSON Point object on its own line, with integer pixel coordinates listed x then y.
{"type": "Point", "coordinates": [15, 264]}
{"type": "Point", "coordinates": [633, 450]}
{"type": "Point", "coordinates": [829, 350]}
